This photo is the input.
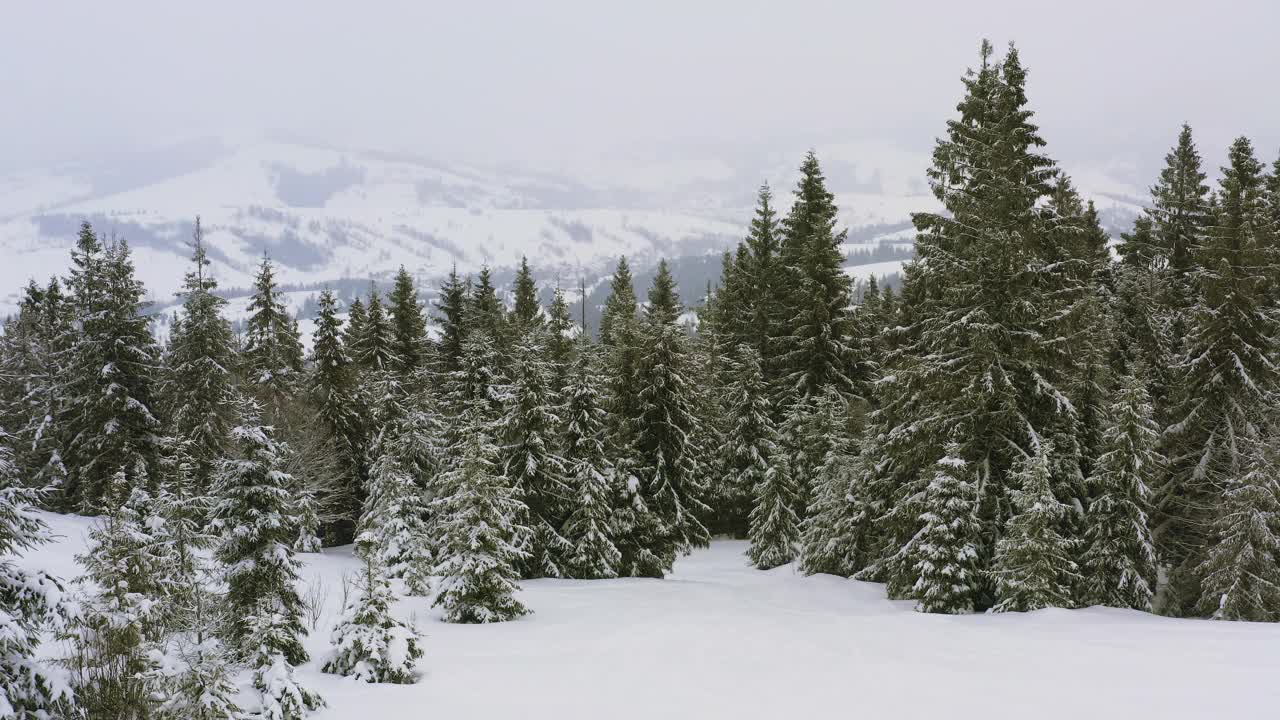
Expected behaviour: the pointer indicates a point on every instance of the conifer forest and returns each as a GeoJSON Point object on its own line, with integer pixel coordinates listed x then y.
{"type": "Point", "coordinates": [1039, 419]}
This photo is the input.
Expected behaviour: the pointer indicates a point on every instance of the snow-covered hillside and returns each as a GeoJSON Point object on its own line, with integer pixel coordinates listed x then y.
{"type": "Point", "coordinates": [326, 214]}
{"type": "Point", "coordinates": [718, 639]}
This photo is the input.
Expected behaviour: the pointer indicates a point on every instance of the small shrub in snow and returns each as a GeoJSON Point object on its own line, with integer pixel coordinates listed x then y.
{"type": "Point", "coordinates": [369, 643]}
{"type": "Point", "coordinates": [280, 695]}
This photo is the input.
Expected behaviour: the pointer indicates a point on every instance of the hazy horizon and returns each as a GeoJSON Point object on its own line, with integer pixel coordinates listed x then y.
{"type": "Point", "coordinates": [577, 89]}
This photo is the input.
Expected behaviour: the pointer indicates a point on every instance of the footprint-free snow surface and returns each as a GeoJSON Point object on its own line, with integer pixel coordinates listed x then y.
{"type": "Point", "coordinates": [718, 639]}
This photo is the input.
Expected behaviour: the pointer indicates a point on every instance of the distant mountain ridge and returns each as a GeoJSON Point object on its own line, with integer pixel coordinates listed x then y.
{"type": "Point", "coordinates": [328, 215]}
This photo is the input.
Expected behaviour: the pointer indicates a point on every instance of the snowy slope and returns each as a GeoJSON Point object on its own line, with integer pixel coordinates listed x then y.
{"type": "Point", "coordinates": [720, 640]}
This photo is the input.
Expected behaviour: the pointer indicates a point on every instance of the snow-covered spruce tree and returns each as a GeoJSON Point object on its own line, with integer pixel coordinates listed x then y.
{"type": "Point", "coordinates": [392, 529]}
{"type": "Point", "coordinates": [1180, 211]}
{"type": "Point", "coordinates": [588, 473]}
{"type": "Point", "coordinates": [526, 312]}
{"type": "Point", "coordinates": [112, 370]}
{"type": "Point", "coordinates": [373, 348]}
{"type": "Point", "coordinates": [369, 643]}
{"type": "Point", "coordinates": [1240, 575]}
{"type": "Point", "coordinates": [1228, 372]}
{"type": "Point", "coordinates": [775, 528]}
{"type": "Point", "coordinates": [333, 399]}
{"type": "Point", "coordinates": [272, 352]}
{"type": "Point", "coordinates": [31, 603]}
{"type": "Point", "coordinates": [478, 554]}
{"type": "Point", "coordinates": [280, 696]}
{"type": "Point", "coordinates": [485, 312]}
{"type": "Point", "coordinates": [32, 388]}
{"type": "Point", "coordinates": [764, 283]}
{"type": "Point", "coordinates": [195, 675]}
{"type": "Point", "coordinates": [80, 360]}
{"type": "Point", "coordinates": [256, 517]}
{"type": "Point", "coordinates": [724, 313]}
{"type": "Point", "coordinates": [759, 469]}
{"type": "Point", "coordinates": [635, 524]}
{"type": "Point", "coordinates": [409, 344]}
{"type": "Point", "coordinates": [561, 347]}
{"type": "Point", "coordinates": [450, 315]}
{"type": "Point", "coordinates": [118, 624]}
{"type": "Point", "coordinates": [357, 318]}
{"type": "Point", "coordinates": [671, 483]}
{"type": "Point", "coordinates": [530, 462]}
{"type": "Point", "coordinates": [833, 536]}
{"type": "Point", "coordinates": [1119, 564]}
{"type": "Point", "coordinates": [198, 384]}
{"type": "Point", "coordinates": [981, 352]}
{"type": "Point", "coordinates": [620, 307]}
{"type": "Point", "coordinates": [814, 348]}
{"type": "Point", "coordinates": [752, 446]}
{"type": "Point", "coordinates": [944, 552]}
{"type": "Point", "coordinates": [812, 208]}
{"type": "Point", "coordinates": [1033, 566]}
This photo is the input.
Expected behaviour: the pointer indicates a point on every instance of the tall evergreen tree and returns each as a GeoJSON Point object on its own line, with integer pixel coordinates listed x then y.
{"type": "Point", "coordinates": [450, 309]}
{"type": "Point", "coordinates": [408, 326]}
{"type": "Point", "coordinates": [766, 284]}
{"type": "Point", "coordinates": [114, 363]}
{"type": "Point", "coordinates": [33, 386]}
{"type": "Point", "coordinates": [561, 347]}
{"type": "Point", "coordinates": [357, 319]}
{"type": "Point", "coordinates": [1180, 210]}
{"type": "Point", "coordinates": [621, 305]}
{"type": "Point", "coordinates": [198, 385]}
{"type": "Point", "coordinates": [664, 298]}
{"type": "Point", "coordinates": [670, 481]}
{"type": "Point", "coordinates": [812, 211]}
{"type": "Point", "coordinates": [981, 358]}
{"type": "Point", "coordinates": [333, 397]}
{"type": "Point", "coordinates": [1228, 372]}
{"type": "Point", "coordinates": [589, 475]}
{"type": "Point", "coordinates": [530, 461]}
{"type": "Point", "coordinates": [273, 351]}
{"type": "Point", "coordinates": [526, 312]}
{"type": "Point", "coordinates": [374, 349]}
{"type": "Point", "coordinates": [485, 311]}
{"type": "Point", "coordinates": [817, 344]}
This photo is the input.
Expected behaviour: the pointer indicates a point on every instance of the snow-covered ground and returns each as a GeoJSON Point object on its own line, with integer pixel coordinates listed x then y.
{"type": "Point", "coordinates": [718, 639]}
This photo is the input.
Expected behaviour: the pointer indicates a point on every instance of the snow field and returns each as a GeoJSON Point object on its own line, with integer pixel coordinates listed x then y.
{"type": "Point", "coordinates": [718, 639]}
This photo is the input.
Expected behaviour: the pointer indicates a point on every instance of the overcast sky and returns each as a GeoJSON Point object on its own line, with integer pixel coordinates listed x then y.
{"type": "Point", "coordinates": [553, 84]}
